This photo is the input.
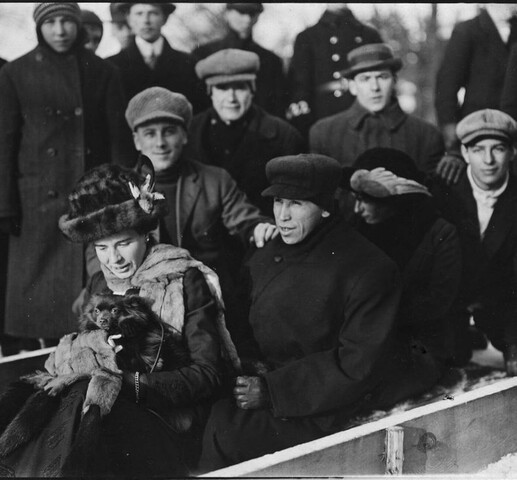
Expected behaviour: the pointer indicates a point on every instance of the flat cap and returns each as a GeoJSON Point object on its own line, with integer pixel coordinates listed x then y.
{"type": "Point", "coordinates": [308, 176]}
{"type": "Point", "coordinates": [487, 123]}
{"type": "Point", "coordinates": [371, 57]}
{"type": "Point", "coordinates": [229, 65]}
{"type": "Point", "coordinates": [158, 103]}
{"type": "Point", "coordinates": [250, 8]}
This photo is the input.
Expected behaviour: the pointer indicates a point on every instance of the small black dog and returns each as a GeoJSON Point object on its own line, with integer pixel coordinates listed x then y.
{"type": "Point", "coordinates": [148, 344]}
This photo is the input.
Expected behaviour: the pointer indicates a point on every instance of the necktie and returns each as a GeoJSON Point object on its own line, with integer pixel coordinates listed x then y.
{"type": "Point", "coordinates": [151, 60]}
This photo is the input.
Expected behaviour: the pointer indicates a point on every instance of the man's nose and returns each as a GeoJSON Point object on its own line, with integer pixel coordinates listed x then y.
{"type": "Point", "coordinates": [285, 212]}
{"type": "Point", "coordinates": [357, 206]}
{"type": "Point", "coordinates": [374, 84]}
{"type": "Point", "coordinates": [59, 28]}
{"type": "Point", "coordinates": [489, 157]}
{"type": "Point", "coordinates": [114, 256]}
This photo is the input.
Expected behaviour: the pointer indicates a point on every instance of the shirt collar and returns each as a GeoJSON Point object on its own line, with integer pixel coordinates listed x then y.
{"type": "Point", "coordinates": [480, 193]}
{"type": "Point", "coordinates": [392, 115]}
{"type": "Point", "coordinates": [148, 48]}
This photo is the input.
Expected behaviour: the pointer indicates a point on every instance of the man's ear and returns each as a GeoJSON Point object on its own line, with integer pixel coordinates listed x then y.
{"type": "Point", "coordinates": [464, 152]}
{"type": "Point", "coordinates": [352, 88]}
{"type": "Point", "coordinates": [136, 141]}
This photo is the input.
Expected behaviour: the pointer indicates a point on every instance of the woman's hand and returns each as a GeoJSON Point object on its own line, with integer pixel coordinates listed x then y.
{"type": "Point", "coordinates": [251, 393]}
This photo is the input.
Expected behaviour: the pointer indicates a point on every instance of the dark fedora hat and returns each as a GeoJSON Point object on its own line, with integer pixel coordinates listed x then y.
{"type": "Point", "coordinates": [373, 56]}
{"type": "Point", "coordinates": [167, 8]}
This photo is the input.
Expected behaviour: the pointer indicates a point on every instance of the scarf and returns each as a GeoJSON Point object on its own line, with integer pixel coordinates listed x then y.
{"type": "Point", "coordinates": [160, 279]}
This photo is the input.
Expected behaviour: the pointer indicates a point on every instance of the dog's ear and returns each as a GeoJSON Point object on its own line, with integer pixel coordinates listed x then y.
{"type": "Point", "coordinates": [145, 167]}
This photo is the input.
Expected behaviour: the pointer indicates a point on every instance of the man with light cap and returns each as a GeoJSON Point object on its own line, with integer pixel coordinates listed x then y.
{"type": "Point", "coordinates": [323, 301]}
{"type": "Point", "coordinates": [483, 207]}
{"type": "Point", "coordinates": [235, 133]}
{"type": "Point", "coordinates": [62, 113]}
{"type": "Point", "coordinates": [271, 94]}
{"type": "Point", "coordinates": [206, 208]}
{"type": "Point", "coordinates": [150, 61]}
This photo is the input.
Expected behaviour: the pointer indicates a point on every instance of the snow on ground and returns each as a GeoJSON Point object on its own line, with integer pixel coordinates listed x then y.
{"type": "Point", "coordinates": [504, 468]}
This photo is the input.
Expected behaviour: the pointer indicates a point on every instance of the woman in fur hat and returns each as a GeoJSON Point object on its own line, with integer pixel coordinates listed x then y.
{"type": "Point", "coordinates": [395, 211]}
{"type": "Point", "coordinates": [116, 210]}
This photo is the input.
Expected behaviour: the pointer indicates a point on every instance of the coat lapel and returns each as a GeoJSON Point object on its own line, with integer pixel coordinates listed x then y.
{"type": "Point", "coordinates": [468, 218]}
{"type": "Point", "coordinates": [189, 190]}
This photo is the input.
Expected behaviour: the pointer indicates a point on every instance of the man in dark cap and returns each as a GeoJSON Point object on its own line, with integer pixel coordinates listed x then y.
{"type": "Point", "coordinates": [323, 305]}
{"type": "Point", "coordinates": [317, 88]}
{"type": "Point", "coordinates": [483, 207]}
{"type": "Point", "coordinates": [271, 92]}
{"type": "Point", "coordinates": [150, 61]}
{"type": "Point", "coordinates": [119, 27]}
{"type": "Point", "coordinates": [376, 119]}
{"type": "Point", "coordinates": [235, 133]}
{"type": "Point", "coordinates": [94, 28]}
{"type": "Point", "coordinates": [62, 114]}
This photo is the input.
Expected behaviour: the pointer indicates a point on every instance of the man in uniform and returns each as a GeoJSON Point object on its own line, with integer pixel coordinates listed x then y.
{"type": "Point", "coordinates": [271, 82]}
{"type": "Point", "coordinates": [483, 207]}
{"type": "Point", "coordinates": [316, 86]}
{"type": "Point", "coordinates": [235, 133]}
{"type": "Point", "coordinates": [150, 61]}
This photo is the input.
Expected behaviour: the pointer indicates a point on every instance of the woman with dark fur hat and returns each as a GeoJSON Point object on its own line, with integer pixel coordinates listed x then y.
{"type": "Point", "coordinates": [116, 210]}
{"type": "Point", "coordinates": [62, 113]}
{"type": "Point", "coordinates": [395, 211]}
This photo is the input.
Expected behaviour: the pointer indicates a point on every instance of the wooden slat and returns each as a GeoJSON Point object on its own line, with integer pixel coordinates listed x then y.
{"type": "Point", "coordinates": [394, 448]}
{"type": "Point", "coordinates": [12, 367]}
{"type": "Point", "coordinates": [468, 432]}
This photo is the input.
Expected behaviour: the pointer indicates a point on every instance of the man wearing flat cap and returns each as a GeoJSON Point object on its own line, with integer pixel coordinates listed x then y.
{"type": "Point", "coordinates": [316, 86]}
{"type": "Point", "coordinates": [375, 119]}
{"type": "Point", "coordinates": [150, 61]}
{"type": "Point", "coordinates": [271, 82]}
{"type": "Point", "coordinates": [206, 208]}
{"type": "Point", "coordinates": [235, 133]}
{"type": "Point", "coordinates": [483, 207]}
{"type": "Point", "coordinates": [322, 308]}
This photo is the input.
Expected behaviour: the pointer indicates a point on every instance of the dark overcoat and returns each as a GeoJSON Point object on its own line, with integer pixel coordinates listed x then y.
{"type": "Point", "coordinates": [321, 313]}
{"type": "Point", "coordinates": [509, 95]}
{"type": "Point", "coordinates": [60, 115]}
{"type": "Point", "coordinates": [346, 135]}
{"type": "Point", "coordinates": [271, 81]}
{"type": "Point", "coordinates": [174, 70]}
{"type": "Point", "coordinates": [319, 57]}
{"type": "Point", "coordinates": [475, 58]}
{"type": "Point", "coordinates": [266, 137]}
{"type": "Point", "coordinates": [489, 266]}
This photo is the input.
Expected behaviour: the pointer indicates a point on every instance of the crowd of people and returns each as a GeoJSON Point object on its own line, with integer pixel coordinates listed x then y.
{"type": "Point", "coordinates": [318, 252]}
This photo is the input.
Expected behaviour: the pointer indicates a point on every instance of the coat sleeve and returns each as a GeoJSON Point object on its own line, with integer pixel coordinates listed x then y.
{"type": "Point", "coordinates": [337, 377]}
{"type": "Point", "coordinates": [11, 124]}
{"type": "Point", "coordinates": [239, 215]}
{"type": "Point", "coordinates": [202, 378]}
{"type": "Point", "coordinates": [452, 75]}
{"type": "Point", "coordinates": [509, 95]}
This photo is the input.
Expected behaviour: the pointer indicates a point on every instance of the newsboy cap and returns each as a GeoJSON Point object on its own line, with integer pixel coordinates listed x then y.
{"type": "Point", "coordinates": [307, 176]}
{"type": "Point", "coordinates": [250, 8]}
{"type": "Point", "coordinates": [158, 103]}
{"type": "Point", "coordinates": [487, 123]}
{"type": "Point", "coordinates": [370, 57]}
{"type": "Point", "coordinates": [42, 11]}
{"type": "Point", "coordinates": [229, 65]}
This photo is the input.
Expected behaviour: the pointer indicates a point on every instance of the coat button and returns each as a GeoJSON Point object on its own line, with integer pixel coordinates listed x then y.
{"type": "Point", "coordinates": [336, 75]}
{"type": "Point", "coordinates": [277, 258]}
{"type": "Point", "coordinates": [333, 40]}
{"type": "Point", "coordinates": [51, 152]}
{"type": "Point", "coordinates": [338, 93]}
{"type": "Point", "coordinates": [39, 57]}
{"type": "Point", "coordinates": [335, 57]}
{"type": "Point", "coordinates": [358, 39]}
{"type": "Point", "coordinates": [78, 111]}
{"type": "Point", "coordinates": [52, 194]}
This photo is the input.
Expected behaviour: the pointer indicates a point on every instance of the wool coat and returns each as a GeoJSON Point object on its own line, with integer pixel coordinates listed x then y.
{"type": "Point", "coordinates": [174, 70]}
{"type": "Point", "coordinates": [321, 313]}
{"type": "Point", "coordinates": [346, 135]}
{"type": "Point", "coordinates": [60, 115]}
{"type": "Point", "coordinates": [265, 137]}
{"type": "Point", "coordinates": [489, 265]}
{"type": "Point", "coordinates": [271, 81]}
{"type": "Point", "coordinates": [509, 95]}
{"type": "Point", "coordinates": [475, 58]}
{"type": "Point", "coordinates": [319, 56]}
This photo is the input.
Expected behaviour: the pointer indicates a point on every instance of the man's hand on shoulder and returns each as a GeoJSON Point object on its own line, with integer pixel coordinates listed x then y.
{"type": "Point", "coordinates": [450, 168]}
{"type": "Point", "coordinates": [262, 233]}
{"type": "Point", "coordinates": [251, 393]}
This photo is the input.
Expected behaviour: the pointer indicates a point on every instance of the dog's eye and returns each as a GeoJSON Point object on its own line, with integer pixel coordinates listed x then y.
{"type": "Point", "coordinates": [114, 311]}
{"type": "Point", "coordinates": [96, 311]}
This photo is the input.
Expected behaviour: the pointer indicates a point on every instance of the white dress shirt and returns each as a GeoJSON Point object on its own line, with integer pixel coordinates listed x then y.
{"type": "Point", "coordinates": [485, 200]}
{"type": "Point", "coordinates": [149, 50]}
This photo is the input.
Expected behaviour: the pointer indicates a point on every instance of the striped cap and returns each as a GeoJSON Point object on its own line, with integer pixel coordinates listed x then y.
{"type": "Point", "coordinates": [42, 11]}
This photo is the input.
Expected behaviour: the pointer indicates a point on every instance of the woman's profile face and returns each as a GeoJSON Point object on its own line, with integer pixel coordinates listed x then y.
{"type": "Point", "coordinates": [122, 253]}
{"type": "Point", "coordinates": [372, 212]}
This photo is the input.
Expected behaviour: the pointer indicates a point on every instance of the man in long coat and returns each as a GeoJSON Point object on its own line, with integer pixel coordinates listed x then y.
{"type": "Point", "coordinates": [150, 61]}
{"type": "Point", "coordinates": [483, 207]}
{"type": "Point", "coordinates": [316, 87]}
{"type": "Point", "coordinates": [271, 94]}
{"type": "Point", "coordinates": [62, 113]}
{"type": "Point", "coordinates": [323, 302]}
{"type": "Point", "coordinates": [235, 133]}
